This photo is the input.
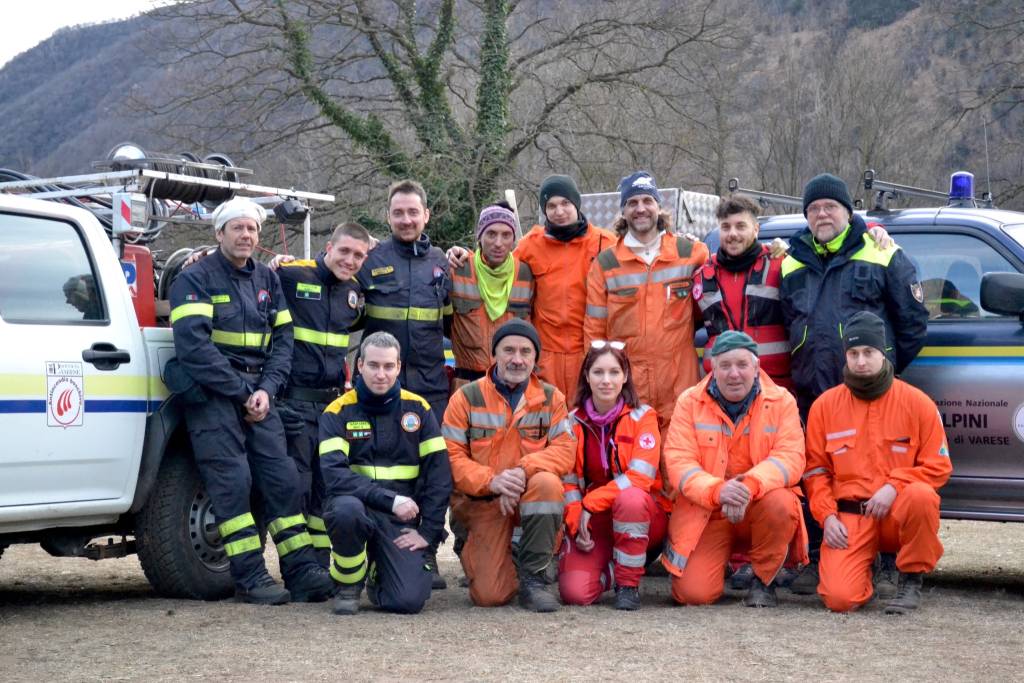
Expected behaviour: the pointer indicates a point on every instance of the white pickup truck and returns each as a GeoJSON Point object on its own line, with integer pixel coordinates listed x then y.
{"type": "Point", "coordinates": [94, 458]}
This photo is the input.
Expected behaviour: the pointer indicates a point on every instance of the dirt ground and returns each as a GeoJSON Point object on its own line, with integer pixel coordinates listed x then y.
{"type": "Point", "coordinates": [72, 619]}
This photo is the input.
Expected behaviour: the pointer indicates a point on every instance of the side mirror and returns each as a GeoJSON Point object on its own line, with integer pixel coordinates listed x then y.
{"type": "Point", "coordinates": [1003, 293]}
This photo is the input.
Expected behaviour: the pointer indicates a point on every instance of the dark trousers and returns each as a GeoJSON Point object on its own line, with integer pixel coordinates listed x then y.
{"type": "Point", "coordinates": [300, 420]}
{"type": "Point", "coordinates": [233, 456]}
{"type": "Point", "coordinates": [363, 543]}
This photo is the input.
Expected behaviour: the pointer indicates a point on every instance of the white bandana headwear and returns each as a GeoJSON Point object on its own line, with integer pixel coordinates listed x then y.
{"type": "Point", "coordinates": [239, 207]}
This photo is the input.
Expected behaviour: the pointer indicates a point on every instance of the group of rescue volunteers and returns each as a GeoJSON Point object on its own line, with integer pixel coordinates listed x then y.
{"type": "Point", "coordinates": [577, 443]}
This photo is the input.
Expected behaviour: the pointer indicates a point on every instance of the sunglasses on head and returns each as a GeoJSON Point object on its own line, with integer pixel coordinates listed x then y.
{"type": "Point", "coordinates": [602, 343]}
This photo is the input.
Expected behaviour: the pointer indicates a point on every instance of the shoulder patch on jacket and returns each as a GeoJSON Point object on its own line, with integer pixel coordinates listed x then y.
{"type": "Point", "coordinates": [407, 395]}
{"type": "Point", "coordinates": [684, 246]}
{"type": "Point", "coordinates": [607, 259]}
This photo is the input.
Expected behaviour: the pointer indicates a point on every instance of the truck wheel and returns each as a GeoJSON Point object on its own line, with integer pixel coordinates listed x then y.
{"type": "Point", "coordinates": [178, 542]}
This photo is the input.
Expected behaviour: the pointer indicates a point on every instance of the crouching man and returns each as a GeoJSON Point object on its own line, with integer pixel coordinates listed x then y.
{"type": "Point", "coordinates": [387, 480]}
{"type": "Point", "coordinates": [734, 454]}
{"type": "Point", "coordinates": [510, 441]}
{"type": "Point", "coordinates": [876, 457]}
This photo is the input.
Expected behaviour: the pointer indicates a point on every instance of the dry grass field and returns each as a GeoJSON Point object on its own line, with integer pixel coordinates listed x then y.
{"type": "Point", "coordinates": [70, 619]}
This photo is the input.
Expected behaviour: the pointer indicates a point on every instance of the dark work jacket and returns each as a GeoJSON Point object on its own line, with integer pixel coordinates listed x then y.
{"type": "Point", "coordinates": [819, 294]}
{"type": "Point", "coordinates": [374, 457]}
{"type": "Point", "coordinates": [406, 287]}
{"type": "Point", "coordinates": [227, 320]}
{"type": "Point", "coordinates": [324, 311]}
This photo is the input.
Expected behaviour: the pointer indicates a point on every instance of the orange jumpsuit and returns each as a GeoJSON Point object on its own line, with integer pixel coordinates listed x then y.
{"type": "Point", "coordinates": [560, 270]}
{"type": "Point", "coordinates": [485, 437]}
{"type": "Point", "coordinates": [651, 309]}
{"type": "Point", "coordinates": [854, 447]}
{"type": "Point", "coordinates": [702, 450]}
{"type": "Point", "coordinates": [472, 328]}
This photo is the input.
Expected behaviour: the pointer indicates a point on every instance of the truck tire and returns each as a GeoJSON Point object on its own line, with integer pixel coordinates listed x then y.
{"type": "Point", "coordinates": [178, 543]}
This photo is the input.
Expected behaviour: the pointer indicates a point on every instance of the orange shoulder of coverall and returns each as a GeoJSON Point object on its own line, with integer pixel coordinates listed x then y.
{"type": "Point", "coordinates": [855, 447]}
{"type": "Point", "coordinates": [472, 328]}
{"type": "Point", "coordinates": [636, 462]}
{"type": "Point", "coordinates": [649, 308]}
{"type": "Point", "coordinates": [485, 436]}
{"type": "Point", "coordinates": [696, 454]}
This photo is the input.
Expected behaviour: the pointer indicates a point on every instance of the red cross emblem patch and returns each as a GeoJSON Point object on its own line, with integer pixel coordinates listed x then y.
{"type": "Point", "coordinates": [646, 441]}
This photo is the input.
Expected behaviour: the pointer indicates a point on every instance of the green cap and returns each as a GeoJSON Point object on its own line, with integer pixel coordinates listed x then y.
{"type": "Point", "coordinates": [730, 340]}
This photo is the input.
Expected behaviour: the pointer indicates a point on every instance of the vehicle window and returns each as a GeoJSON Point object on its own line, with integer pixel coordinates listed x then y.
{"type": "Point", "coordinates": [950, 267]}
{"type": "Point", "coordinates": [45, 273]}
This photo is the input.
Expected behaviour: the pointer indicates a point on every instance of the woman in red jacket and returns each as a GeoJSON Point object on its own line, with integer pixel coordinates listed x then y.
{"type": "Point", "coordinates": [615, 514]}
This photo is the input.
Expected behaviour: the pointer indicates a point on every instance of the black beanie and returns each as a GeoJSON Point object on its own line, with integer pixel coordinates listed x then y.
{"type": "Point", "coordinates": [827, 186]}
{"type": "Point", "coordinates": [864, 328]}
{"type": "Point", "coordinates": [517, 327]}
{"type": "Point", "coordinates": [559, 186]}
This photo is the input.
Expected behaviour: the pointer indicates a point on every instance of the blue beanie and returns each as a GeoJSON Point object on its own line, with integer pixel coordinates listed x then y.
{"type": "Point", "coordinates": [640, 182]}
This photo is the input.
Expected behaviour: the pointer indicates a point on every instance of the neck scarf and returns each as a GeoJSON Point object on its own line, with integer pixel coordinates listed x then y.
{"type": "Point", "coordinates": [377, 404]}
{"type": "Point", "coordinates": [495, 284]}
{"type": "Point", "coordinates": [602, 421]}
{"type": "Point", "coordinates": [568, 232]}
{"type": "Point", "coordinates": [870, 388]}
{"type": "Point", "coordinates": [742, 262]}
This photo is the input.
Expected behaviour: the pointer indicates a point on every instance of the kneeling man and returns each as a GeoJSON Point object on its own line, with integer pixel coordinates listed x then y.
{"type": "Point", "coordinates": [734, 454]}
{"type": "Point", "coordinates": [876, 457]}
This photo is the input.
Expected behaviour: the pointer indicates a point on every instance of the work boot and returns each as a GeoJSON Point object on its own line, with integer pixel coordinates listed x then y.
{"type": "Point", "coordinates": [886, 578]}
{"type": "Point", "coordinates": [534, 594]}
{"type": "Point", "coordinates": [742, 578]}
{"type": "Point", "coordinates": [346, 601]}
{"type": "Point", "coordinates": [760, 595]}
{"type": "Point", "coordinates": [807, 581]}
{"type": "Point", "coordinates": [265, 591]}
{"type": "Point", "coordinates": [314, 584]}
{"type": "Point", "coordinates": [908, 594]}
{"type": "Point", "coordinates": [627, 598]}
{"type": "Point", "coordinates": [437, 581]}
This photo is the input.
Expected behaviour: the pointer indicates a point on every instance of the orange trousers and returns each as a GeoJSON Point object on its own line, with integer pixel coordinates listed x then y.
{"type": "Point", "coordinates": [767, 529]}
{"type": "Point", "coordinates": [487, 555]}
{"type": "Point", "coordinates": [562, 370]}
{"type": "Point", "coordinates": [911, 530]}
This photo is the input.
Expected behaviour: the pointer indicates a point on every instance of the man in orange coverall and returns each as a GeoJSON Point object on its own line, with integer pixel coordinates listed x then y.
{"type": "Point", "coordinates": [734, 454]}
{"type": "Point", "coordinates": [510, 441]}
{"type": "Point", "coordinates": [638, 291]}
{"type": "Point", "coordinates": [876, 457]}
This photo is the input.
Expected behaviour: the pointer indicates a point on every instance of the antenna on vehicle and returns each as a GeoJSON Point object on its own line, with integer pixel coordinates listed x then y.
{"type": "Point", "coordinates": [988, 167]}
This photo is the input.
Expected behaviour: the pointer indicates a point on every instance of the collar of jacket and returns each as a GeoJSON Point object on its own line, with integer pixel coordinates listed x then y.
{"type": "Point", "coordinates": [417, 249]}
{"type": "Point", "coordinates": [323, 272]}
{"type": "Point", "coordinates": [245, 272]}
{"type": "Point", "coordinates": [770, 391]}
{"type": "Point", "coordinates": [666, 252]}
{"type": "Point", "coordinates": [533, 392]}
{"type": "Point", "coordinates": [802, 244]}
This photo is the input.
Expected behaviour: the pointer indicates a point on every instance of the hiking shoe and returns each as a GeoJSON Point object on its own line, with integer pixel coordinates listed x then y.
{"type": "Point", "coordinates": [627, 598]}
{"type": "Point", "coordinates": [266, 591]}
{"type": "Point", "coordinates": [437, 581]}
{"type": "Point", "coordinates": [346, 601]}
{"type": "Point", "coordinates": [908, 594]}
{"type": "Point", "coordinates": [313, 585]}
{"type": "Point", "coordinates": [806, 583]}
{"type": "Point", "coordinates": [742, 578]}
{"type": "Point", "coordinates": [886, 578]}
{"type": "Point", "coordinates": [534, 594]}
{"type": "Point", "coordinates": [760, 595]}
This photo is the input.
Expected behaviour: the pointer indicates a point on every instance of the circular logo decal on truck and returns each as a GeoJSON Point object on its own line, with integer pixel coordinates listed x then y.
{"type": "Point", "coordinates": [1018, 422]}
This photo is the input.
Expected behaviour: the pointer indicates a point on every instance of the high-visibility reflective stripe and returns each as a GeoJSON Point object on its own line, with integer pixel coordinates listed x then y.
{"type": "Point", "coordinates": [643, 467]}
{"type": "Point", "coordinates": [411, 313]}
{"type": "Point", "coordinates": [294, 543]}
{"type": "Point", "coordinates": [255, 339]}
{"type": "Point", "coordinates": [321, 541]}
{"type": "Point", "coordinates": [479, 418]}
{"type": "Point", "coordinates": [349, 561]}
{"type": "Point", "coordinates": [840, 435]}
{"type": "Point", "coordinates": [534, 418]}
{"type": "Point", "coordinates": [899, 449]}
{"type": "Point", "coordinates": [454, 433]}
{"type": "Point", "coordinates": [872, 254]}
{"type": "Point", "coordinates": [335, 443]}
{"type": "Point", "coordinates": [623, 482]}
{"type": "Point", "coordinates": [571, 478]}
{"type": "Point", "coordinates": [235, 524]}
{"type": "Point", "coordinates": [639, 411]}
{"type": "Point", "coordinates": [597, 311]}
{"type": "Point", "coordinates": [763, 291]}
{"type": "Point", "coordinates": [768, 348]}
{"type": "Point", "coordinates": [572, 497]}
{"type": "Point", "coordinates": [521, 293]}
{"type": "Point", "coordinates": [282, 318]}
{"type": "Point", "coordinates": [390, 473]}
{"type": "Point", "coordinates": [563, 427]}
{"type": "Point", "coordinates": [304, 334]}
{"type": "Point", "coordinates": [709, 299]}
{"type": "Point", "coordinates": [185, 310]}
{"type": "Point", "coordinates": [782, 468]}
{"type": "Point", "coordinates": [628, 280]}
{"type": "Point", "coordinates": [540, 508]}
{"type": "Point", "coordinates": [770, 429]}
{"type": "Point", "coordinates": [672, 273]}
{"type": "Point", "coordinates": [627, 560]}
{"type": "Point", "coordinates": [790, 265]}
{"type": "Point", "coordinates": [243, 545]}
{"type": "Point", "coordinates": [314, 523]}
{"type": "Point", "coordinates": [350, 579]}
{"type": "Point", "coordinates": [281, 523]}
{"type": "Point", "coordinates": [814, 472]}
{"type": "Point", "coordinates": [631, 529]}
{"type": "Point", "coordinates": [686, 476]}
{"type": "Point", "coordinates": [432, 445]}
{"type": "Point", "coordinates": [674, 558]}
{"type": "Point", "coordinates": [447, 310]}
{"type": "Point", "coordinates": [467, 289]}
{"type": "Point", "coordinates": [705, 427]}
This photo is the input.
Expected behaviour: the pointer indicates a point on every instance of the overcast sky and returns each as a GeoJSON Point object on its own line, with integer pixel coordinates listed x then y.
{"type": "Point", "coordinates": [27, 23]}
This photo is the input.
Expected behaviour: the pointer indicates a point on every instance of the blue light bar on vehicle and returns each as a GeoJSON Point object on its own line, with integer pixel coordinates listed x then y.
{"type": "Point", "coordinates": [961, 186]}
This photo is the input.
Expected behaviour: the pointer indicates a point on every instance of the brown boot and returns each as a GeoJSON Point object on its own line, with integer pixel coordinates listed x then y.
{"type": "Point", "coordinates": [908, 595]}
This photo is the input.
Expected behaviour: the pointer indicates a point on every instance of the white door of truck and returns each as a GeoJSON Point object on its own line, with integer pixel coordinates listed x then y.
{"type": "Point", "coordinates": [73, 378]}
